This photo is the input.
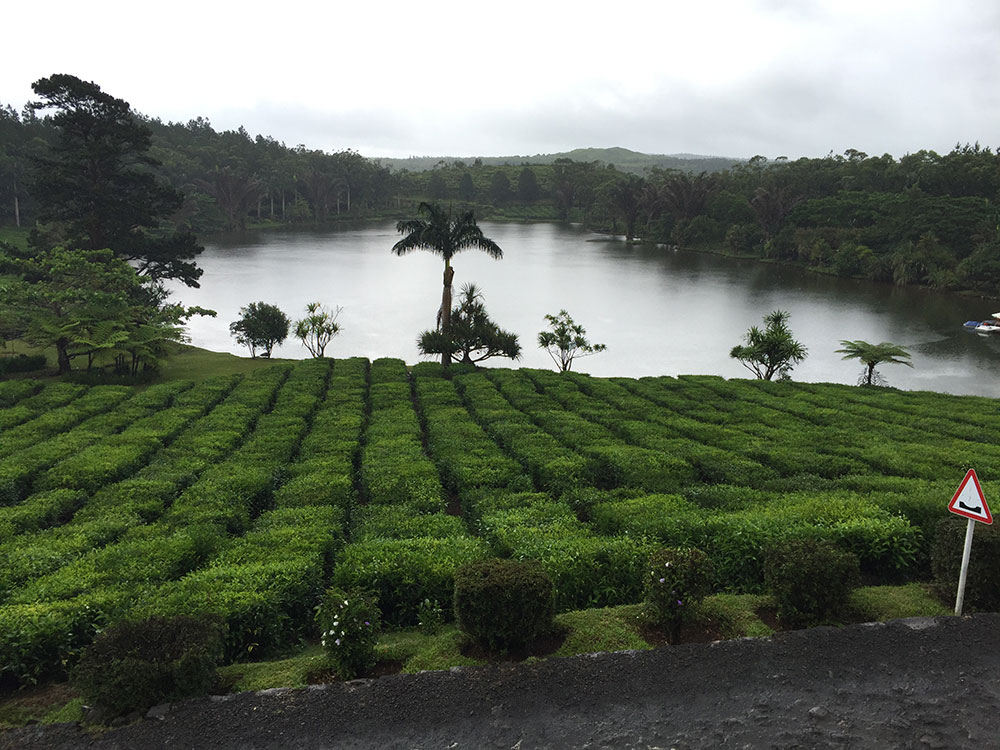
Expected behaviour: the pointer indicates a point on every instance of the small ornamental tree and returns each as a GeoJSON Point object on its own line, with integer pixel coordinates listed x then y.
{"type": "Point", "coordinates": [471, 334]}
{"type": "Point", "coordinates": [771, 351]}
{"type": "Point", "coordinates": [676, 582]}
{"type": "Point", "coordinates": [566, 341]}
{"type": "Point", "coordinates": [872, 355]}
{"type": "Point", "coordinates": [260, 327]}
{"type": "Point", "coordinates": [349, 622]}
{"type": "Point", "coordinates": [318, 328]}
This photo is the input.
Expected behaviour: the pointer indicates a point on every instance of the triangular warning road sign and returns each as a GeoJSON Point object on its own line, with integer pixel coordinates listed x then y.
{"type": "Point", "coordinates": [969, 500]}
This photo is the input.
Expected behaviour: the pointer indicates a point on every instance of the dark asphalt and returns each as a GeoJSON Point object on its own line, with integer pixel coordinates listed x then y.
{"type": "Point", "coordinates": [931, 683]}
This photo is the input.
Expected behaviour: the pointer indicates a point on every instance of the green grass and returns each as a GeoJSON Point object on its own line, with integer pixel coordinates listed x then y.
{"type": "Point", "coordinates": [191, 363]}
{"type": "Point", "coordinates": [17, 236]}
{"type": "Point", "coordinates": [882, 603]}
{"type": "Point", "coordinates": [290, 672]}
{"type": "Point", "coordinates": [735, 615]}
{"type": "Point", "coordinates": [608, 629]}
{"type": "Point", "coordinates": [184, 362]}
{"type": "Point", "coordinates": [419, 652]}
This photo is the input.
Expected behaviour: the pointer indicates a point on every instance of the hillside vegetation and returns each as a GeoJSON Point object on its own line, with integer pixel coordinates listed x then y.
{"type": "Point", "coordinates": [245, 496]}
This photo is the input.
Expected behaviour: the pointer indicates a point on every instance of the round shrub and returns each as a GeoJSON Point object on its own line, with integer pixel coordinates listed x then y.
{"type": "Point", "coordinates": [677, 579]}
{"type": "Point", "coordinates": [503, 604]}
{"type": "Point", "coordinates": [349, 622]}
{"type": "Point", "coordinates": [981, 589]}
{"type": "Point", "coordinates": [134, 665]}
{"type": "Point", "coordinates": [809, 580]}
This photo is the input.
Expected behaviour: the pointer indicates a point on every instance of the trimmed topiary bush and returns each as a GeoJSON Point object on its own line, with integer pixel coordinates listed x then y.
{"type": "Point", "coordinates": [349, 622]}
{"type": "Point", "coordinates": [502, 603]}
{"type": "Point", "coordinates": [132, 665]}
{"type": "Point", "coordinates": [809, 580]}
{"type": "Point", "coordinates": [677, 579]}
{"type": "Point", "coordinates": [981, 589]}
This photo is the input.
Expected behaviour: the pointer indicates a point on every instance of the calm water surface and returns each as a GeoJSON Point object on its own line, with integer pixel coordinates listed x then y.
{"type": "Point", "coordinates": [660, 312]}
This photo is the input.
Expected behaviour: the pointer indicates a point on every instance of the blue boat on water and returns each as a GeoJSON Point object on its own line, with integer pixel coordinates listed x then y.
{"type": "Point", "coordinates": [984, 326]}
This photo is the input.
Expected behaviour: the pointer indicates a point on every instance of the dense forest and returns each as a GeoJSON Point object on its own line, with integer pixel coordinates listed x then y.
{"type": "Point", "coordinates": [924, 218]}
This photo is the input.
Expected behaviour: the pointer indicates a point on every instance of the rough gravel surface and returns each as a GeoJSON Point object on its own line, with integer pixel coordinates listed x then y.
{"type": "Point", "coordinates": [916, 683]}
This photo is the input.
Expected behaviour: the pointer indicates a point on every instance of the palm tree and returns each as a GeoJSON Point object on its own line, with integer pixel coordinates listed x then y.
{"type": "Point", "coordinates": [445, 235]}
{"type": "Point", "coordinates": [872, 355]}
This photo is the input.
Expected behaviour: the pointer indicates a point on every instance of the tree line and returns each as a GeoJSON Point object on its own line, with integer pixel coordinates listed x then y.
{"type": "Point", "coordinates": [924, 218]}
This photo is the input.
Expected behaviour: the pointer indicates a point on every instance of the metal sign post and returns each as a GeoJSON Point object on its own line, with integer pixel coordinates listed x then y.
{"type": "Point", "coordinates": [960, 599]}
{"type": "Point", "coordinates": [968, 502]}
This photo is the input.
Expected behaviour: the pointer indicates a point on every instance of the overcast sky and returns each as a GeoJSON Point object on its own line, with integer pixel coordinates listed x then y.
{"type": "Point", "coordinates": [720, 77]}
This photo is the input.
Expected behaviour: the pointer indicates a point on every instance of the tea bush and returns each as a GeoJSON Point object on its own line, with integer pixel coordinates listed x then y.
{"type": "Point", "coordinates": [982, 591]}
{"type": "Point", "coordinates": [132, 666]}
{"type": "Point", "coordinates": [810, 581]}
{"type": "Point", "coordinates": [503, 604]}
{"type": "Point", "coordinates": [404, 572]}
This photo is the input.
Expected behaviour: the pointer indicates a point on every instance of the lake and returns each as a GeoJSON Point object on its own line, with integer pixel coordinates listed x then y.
{"type": "Point", "coordinates": [660, 311]}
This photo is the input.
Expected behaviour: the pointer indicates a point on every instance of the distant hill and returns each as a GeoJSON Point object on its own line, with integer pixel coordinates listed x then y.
{"type": "Point", "coordinates": [623, 158]}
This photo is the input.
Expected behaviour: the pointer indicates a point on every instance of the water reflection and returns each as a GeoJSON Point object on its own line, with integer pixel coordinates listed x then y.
{"type": "Point", "coordinates": [659, 311]}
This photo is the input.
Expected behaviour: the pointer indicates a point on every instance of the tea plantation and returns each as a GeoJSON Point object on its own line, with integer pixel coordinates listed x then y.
{"type": "Point", "coordinates": [244, 497]}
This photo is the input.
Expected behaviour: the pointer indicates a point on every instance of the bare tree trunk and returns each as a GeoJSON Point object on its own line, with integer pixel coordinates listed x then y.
{"type": "Point", "coordinates": [348, 199]}
{"type": "Point", "coordinates": [63, 357]}
{"type": "Point", "coordinates": [17, 211]}
{"type": "Point", "coordinates": [449, 274]}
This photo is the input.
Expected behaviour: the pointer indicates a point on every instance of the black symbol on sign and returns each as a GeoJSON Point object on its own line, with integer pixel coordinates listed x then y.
{"type": "Point", "coordinates": [963, 506]}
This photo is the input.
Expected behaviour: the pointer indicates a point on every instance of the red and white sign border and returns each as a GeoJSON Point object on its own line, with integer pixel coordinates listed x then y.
{"type": "Point", "coordinates": [985, 517]}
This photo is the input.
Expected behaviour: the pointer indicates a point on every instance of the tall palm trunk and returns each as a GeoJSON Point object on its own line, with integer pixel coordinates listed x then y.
{"type": "Point", "coordinates": [449, 274]}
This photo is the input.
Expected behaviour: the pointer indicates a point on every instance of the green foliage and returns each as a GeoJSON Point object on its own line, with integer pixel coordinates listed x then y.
{"type": "Point", "coordinates": [445, 235]}
{"type": "Point", "coordinates": [349, 623]}
{"type": "Point", "coordinates": [771, 351]}
{"type": "Point", "coordinates": [810, 581]}
{"type": "Point", "coordinates": [503, 604]}
{"type": "Point", "coordinates": [22, 363]}
{"type": "Point", "coordinates": [318, 328]}
{"type": "Point", "coordinates": [588, 571]}
{"type": "Point", "coordinates": [430, 617]}
{"type": "Point", "coordinates": [132, 666]}
{"type": "Point", "coordinates": [471, 333]}
{"type": "Point", "coordinates": [404, 572]}
{"type": "Point", "coordinates": [981, 590]}
{"type": "Point", "coordinates": [97, 185]}
{"type": "Point", "coordinates": [566, 341]}
{"type": "Point", "coordinates": [872, 355]}
{"type": "Point", "coordinates": [260, 326]}
{"type": "Point", "coordinates": [90, 303]}
{"type": "Point", "coordinates": [676, 581]}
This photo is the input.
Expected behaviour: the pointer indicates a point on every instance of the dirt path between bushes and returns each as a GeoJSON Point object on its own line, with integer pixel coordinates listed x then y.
{"type": "Point", "coordinates": [907, 684]}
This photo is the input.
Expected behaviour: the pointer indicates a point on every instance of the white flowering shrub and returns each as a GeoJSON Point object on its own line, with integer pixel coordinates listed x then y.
{"type": "Point", "coordinates": [676, 582]}
{"type": "Point", "coordinates": [349, 624]}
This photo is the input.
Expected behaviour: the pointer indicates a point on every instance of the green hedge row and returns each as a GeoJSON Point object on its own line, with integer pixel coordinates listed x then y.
{"type": "Point", "coordinates": [12, 391]}
{"type": "Point", "coordinates": [465, 455]}
{"type": "Point", "coordinates": [51, 397]}
{"type": "Point", "coordinates": [553, 467]}
{"type": "Point", "coordinates": [19, 470]}
{"type": "Point", "coordinates": [887, 545]}
{"type": "Point", "coordinates": [193, 530]}
{"type": "Point", "coordinates": [97, 400]}
{"type": "Point", "coordinates": [404, 572]}
{"type": "Point", "coordinates": [394, 467]}
{"type": "Point", "coordinates": [120, 507]}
